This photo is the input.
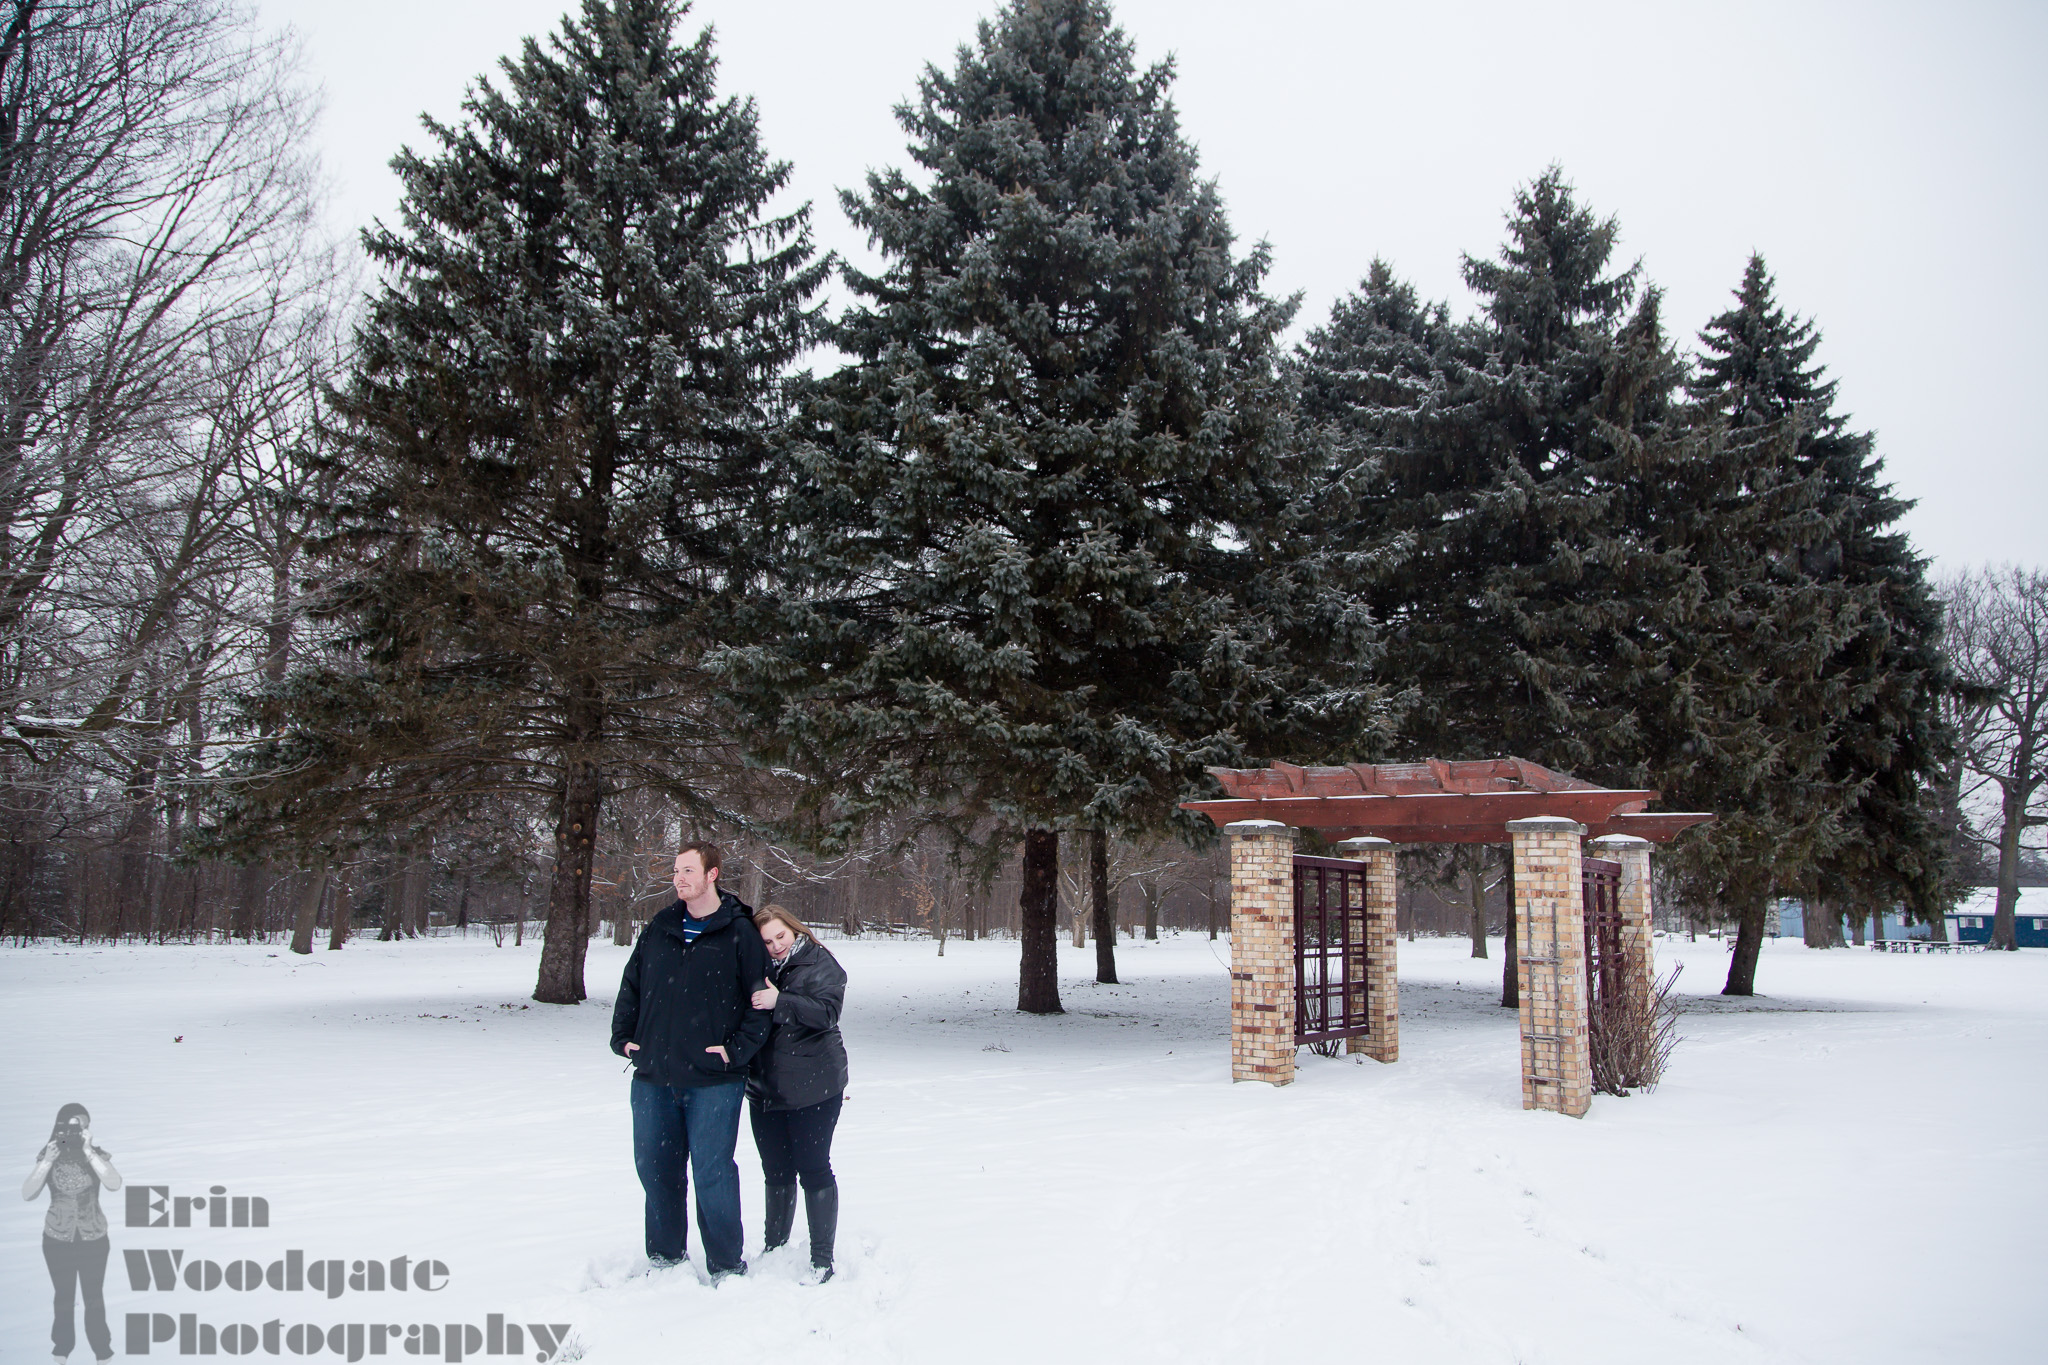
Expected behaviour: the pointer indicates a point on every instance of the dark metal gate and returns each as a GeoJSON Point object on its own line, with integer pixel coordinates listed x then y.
{"type": "Point", "coordinates": [1601, 883]}
{"type": "Point", "coordinates": [1329, 951]}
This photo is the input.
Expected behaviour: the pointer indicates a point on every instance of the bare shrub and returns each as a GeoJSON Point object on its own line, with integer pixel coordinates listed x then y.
{"type": "Point", "coordinates": [1632, 1035]}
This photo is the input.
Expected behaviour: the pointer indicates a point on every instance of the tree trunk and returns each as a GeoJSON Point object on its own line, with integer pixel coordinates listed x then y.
{"type": "Point", "coordinates": [394, 900]}
{"type": "Point", "coordinates": [850, 921]}
{"type": "Point", "coordinates": [132, 860]}
{"type": "Point", "coordinates": [462, 906]}
{"type": "Point", "coordinates": [627, 922]}
{"type": "Point", "coordinates": [309, 910]}
{"type": "Point", "coordinates": [2012, 820]}
{"type": "Point", "coordinates": [401, 897]}
{"type": "Point", "coordinates": [1859, 920]}
{"type": "Point", "coordinates": [1813, 922]}
{"type": "Point", "coordinates": [1510, 980]}
{"type": "Point", "coordinates": [248, 902]}
{"type": "Point", "coordinates": [1077, 919]}
{"type": "Point", "coordinates": [1038, 907]}
{"type": "Point", "coordinates": [401, 900]}
{"type": "Point", "coordinates": [566, 941]}
{"type": "Point", "coordinates": [1098, 901]}
{"type": "Point", "coordinates": [156, 888]}
{"type": "Point", "coordinates": [1152, 897]}
{"type": "Point", "coordinates": [419, 903]}
{"type": "Point", "coordinates": [344, 919]}
{"type": "Point", "coordinates": [131, 912]}
{"type": "Point", "coordinates": [1749, 942]}
{"type": "Point", "coordinates": [177, 897]}
{"type": "Point", "coordinates": [1473, 873]}
{"type": "Point", "coordinates": [77, 890]}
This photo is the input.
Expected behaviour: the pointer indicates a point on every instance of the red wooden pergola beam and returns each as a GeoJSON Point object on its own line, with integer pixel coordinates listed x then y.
{"type": "Point", "coordinates": [1658, 829]}
{"type": "Point", "coordinates": [1463, 801]}
{"type": "Point", "coordinates": [1431, 776]}
{"type": "Point", "coordinates": [1658, 826]}
{"type": "Point", "coordinates": [1425, 809]}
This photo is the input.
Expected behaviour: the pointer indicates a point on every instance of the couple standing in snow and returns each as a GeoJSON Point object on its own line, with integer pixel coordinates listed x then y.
{"type": "Point", "coordinates": [721, 1005]}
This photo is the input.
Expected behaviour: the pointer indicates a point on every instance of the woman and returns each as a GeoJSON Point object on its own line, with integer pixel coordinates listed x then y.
{"type": "Point", "coordinates": [75, 1231]}
{"type": "Point", "coordinates": [798, 1081]}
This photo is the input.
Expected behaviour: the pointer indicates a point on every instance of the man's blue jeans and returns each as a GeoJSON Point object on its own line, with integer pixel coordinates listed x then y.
{"type": "Point", "coordinates": [678, 1127]}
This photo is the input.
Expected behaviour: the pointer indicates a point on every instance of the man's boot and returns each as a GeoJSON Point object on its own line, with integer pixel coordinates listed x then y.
{"type": "Point", "coordinates": [821, 1209]}
{"type": "Point", "coordinates": [781, 1214]}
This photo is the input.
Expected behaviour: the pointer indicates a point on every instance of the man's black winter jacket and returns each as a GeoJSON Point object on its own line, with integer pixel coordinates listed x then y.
{"type": "Point", "coordinates": [678, 998]}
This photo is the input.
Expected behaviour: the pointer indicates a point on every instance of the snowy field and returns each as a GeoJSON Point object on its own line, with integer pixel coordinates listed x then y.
{"type": "Point", "coordinates": [1853, 1167]}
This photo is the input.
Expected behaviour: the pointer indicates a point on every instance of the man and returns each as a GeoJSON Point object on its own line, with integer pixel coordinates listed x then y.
{"type": "Point", "coordinates": [686, 1021]}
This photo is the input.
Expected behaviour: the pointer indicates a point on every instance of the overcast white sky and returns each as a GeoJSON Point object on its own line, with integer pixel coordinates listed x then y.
{"type": "Point", "coordinates": [1889, 160]}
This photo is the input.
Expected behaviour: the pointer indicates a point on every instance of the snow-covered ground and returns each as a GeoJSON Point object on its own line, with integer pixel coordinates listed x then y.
{"type": "Point", "coordinates": [1853, 1167]}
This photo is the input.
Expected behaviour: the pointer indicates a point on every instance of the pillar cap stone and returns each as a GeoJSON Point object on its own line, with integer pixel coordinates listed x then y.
{"type": "Point", "coordinates": [1622, 840]}
{"type": "Point", "coordinates": [1545, 824]}
{"type": "Point", "coordinates": [1365, 841]}
{"type": "Point", "coordinates": [1250, 826]}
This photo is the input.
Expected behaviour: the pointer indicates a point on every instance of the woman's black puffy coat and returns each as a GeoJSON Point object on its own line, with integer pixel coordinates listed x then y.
{"type": "Point", "coordinates": [804, 1062]}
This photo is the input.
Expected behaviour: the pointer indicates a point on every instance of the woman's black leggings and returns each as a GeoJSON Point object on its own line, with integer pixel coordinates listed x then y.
{"type": "Point", "coordinates": [796, 1144]}
{"type": "Point", "coordinates": [78, 1269]}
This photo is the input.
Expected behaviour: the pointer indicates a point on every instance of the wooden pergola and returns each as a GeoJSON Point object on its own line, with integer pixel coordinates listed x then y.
{"type": "Point", "coordinates": [1434, 802]}
{"type": "Point", "coordinates": [1313, 947]}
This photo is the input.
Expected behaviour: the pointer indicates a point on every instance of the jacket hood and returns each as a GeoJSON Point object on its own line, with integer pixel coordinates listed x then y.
{"type": "Point", "coordinates": [730, 908]}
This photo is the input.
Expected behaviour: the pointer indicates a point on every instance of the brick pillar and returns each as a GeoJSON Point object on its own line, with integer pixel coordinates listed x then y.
{"type": "Point", "coordinates": [1550, 966]}
{"type": "Point", "coordinates": [1382, 950]}
{"type": "Point", "coordinates": [1261, 951]}
{"type": "Point", "coordinates": [1638, 952]}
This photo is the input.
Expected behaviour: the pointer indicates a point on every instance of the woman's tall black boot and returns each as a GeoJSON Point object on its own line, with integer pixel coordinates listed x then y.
{"type": "Point", "coordinates": [781, 1214]}
{"type": "Point", "coordinates": [821, 1210]}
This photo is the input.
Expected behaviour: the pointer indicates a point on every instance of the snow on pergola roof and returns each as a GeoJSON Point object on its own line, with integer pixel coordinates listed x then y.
{"type": "Point", "coordinates": [1434, 802]}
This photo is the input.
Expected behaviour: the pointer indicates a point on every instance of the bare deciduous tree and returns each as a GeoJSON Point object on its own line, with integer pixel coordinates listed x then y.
{"type": "Point", "coordinates": [1997, 638]}
{"type": "Point", "coordinates": [152, 200]}
{"type": "Point", "coordinates": [159, 306]}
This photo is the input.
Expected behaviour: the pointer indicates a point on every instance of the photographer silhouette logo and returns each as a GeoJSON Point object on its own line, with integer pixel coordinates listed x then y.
{"type": "Point", "coordinates": [73, 1169]}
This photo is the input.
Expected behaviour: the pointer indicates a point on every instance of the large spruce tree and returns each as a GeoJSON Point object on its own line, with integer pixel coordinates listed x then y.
{"type": "Point", "coordinates": [1580, 562]}
{"type": "Point", "coordinates": [1496, 477]}
{"type": "Point", "coordinates": [1580, 565]}
{"type": "Point", "coordinates": [1518, 491]}
{"type": "Point", "coordinates": [1047, 503]}
{"type": "Point", "coordinates": [560, 407]}
{"type": "Point", "coordinates": [1855, 661]}
{"type": "Point", "coordinates": [1747, 717]}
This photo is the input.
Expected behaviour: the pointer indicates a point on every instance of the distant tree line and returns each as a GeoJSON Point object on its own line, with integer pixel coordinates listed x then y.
{"type": "Point", "coordinates": [166, 325]}
{"type": "Point", "coordinates": [472, 596]}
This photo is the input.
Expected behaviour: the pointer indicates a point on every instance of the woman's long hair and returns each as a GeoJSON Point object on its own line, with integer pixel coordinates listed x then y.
{"type": "Point", "coordinates": [767, 914]}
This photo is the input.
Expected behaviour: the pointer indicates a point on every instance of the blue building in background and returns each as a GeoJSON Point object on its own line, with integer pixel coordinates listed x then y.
{"type": "Point", "coordinates": [1969, 922]}
{"type": "Point", "coordinates": [1792, 923]}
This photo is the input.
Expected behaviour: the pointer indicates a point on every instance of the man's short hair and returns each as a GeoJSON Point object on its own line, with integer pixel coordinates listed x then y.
{"type": "Point", "coordinates": [705, 850]}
